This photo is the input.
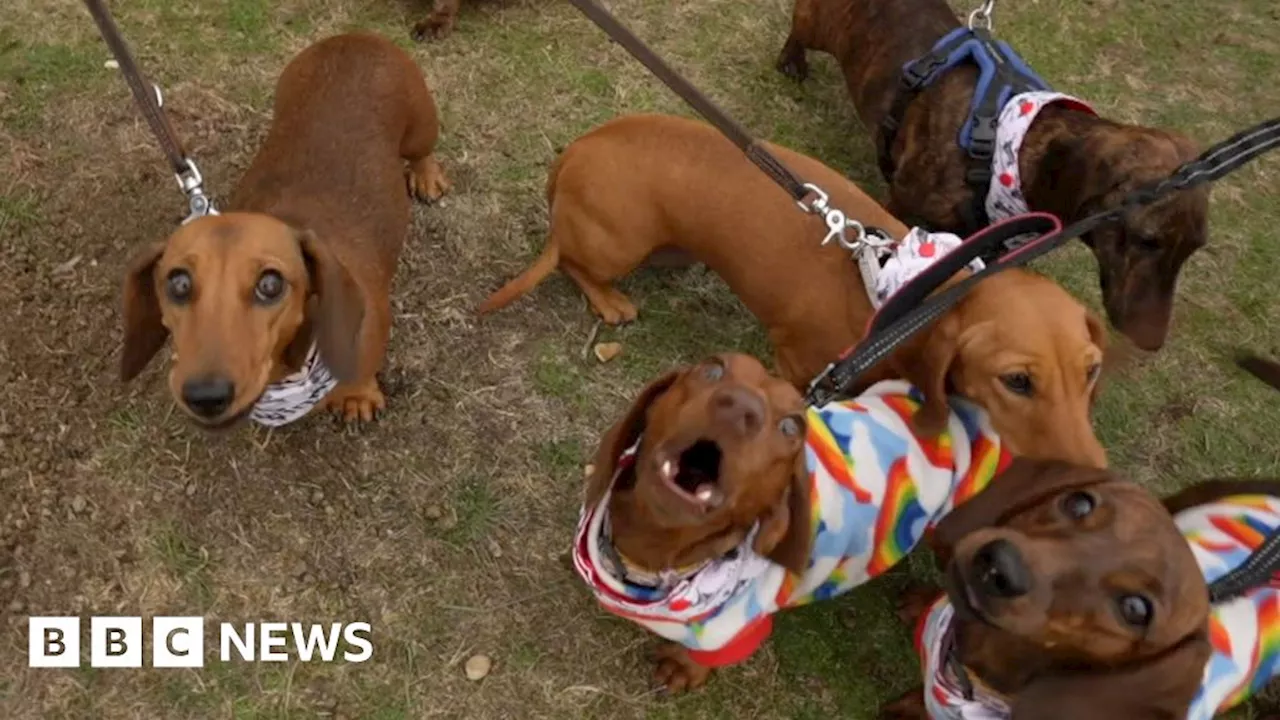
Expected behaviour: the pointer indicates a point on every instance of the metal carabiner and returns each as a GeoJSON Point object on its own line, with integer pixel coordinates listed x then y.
{"type": "Point", "coordinates": [981, 18]}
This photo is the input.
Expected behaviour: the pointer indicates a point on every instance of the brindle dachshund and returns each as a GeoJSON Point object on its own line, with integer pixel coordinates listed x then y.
{"type": "Point", "coordinates": [305, 255]}
{"type": "Point", "coordinates": [1072, 163]}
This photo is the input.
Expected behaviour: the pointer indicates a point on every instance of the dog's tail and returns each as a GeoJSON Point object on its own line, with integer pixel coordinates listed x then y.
{"type": "Point", "coordinates": [541, 268]}
{"type": "Point", "coordinates": [525, 281]}
{"type": "Point", "coordinates": [1268, 371]}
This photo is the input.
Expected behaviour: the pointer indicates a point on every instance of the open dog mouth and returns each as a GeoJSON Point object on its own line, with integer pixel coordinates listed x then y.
{"type": "Point", "coordinates": [694, 474]}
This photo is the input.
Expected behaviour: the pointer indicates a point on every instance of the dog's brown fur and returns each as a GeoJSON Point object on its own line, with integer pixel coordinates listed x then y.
{"type": "Point", "coordinates": [324, 205]}
{"type": "Point", "coordinates": [649, 183]}
{"type": "Point", "coordinates": [762, 478]}
{"type": "Point", "coordinates": [439, 24]}
{"type": "Point", "coordinates": [1073, 164]}
{"type": "Point", "coordinates": [1060, 652]}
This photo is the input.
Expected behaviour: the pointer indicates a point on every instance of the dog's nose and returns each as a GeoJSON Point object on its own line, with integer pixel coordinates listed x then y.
{"type": "Point", "coordinates": [1000, 571]}
{"type": "Point", "coordinates": [738, 409]}
{"type": "Point", "coordinates": [208, 397]}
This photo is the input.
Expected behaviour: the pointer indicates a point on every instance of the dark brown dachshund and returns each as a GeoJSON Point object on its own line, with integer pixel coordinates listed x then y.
{"type": "Point", "coordinates": [719, 499]}
{"type": "Point", "coordinates": [1018, 344]}
{"type": "Point", "coordinates": [1072, 163]}
{"type": "Point", "coordinates": [305, 255]}
{"type": "Point", "coordinates": [1071, 593]}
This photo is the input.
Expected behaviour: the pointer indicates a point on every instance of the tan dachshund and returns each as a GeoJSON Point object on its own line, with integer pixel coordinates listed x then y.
{"type": "Point", "coordinates": [1018, 344]}
{"type": "Point", "coordinates": [718, 500]}
{"type": "Point", "coordinates": [305, 254]}
{"type": "Point", "coordinates": [1072, 163]}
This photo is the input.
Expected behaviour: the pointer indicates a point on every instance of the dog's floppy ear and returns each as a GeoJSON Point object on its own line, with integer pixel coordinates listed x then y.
{"type": "Point", "coordinates": [1153, 689]}
{"type": "Point", "coordinates": [144, 333]}
{"type": "Point", "coordinates": [925, 361]}
{"type": "Point", "coordinates": [1023, 483]}
{"type": "Point", "coordinates": [339, 314]}
{"type": "Point", "coordinates": [623, 435]}
{"type": "Point", "coordinates": [1098, 335]}
{"type": "Point", "coordinates": [786, 531]}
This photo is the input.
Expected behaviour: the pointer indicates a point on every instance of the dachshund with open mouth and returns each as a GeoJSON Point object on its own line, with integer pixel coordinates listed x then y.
{"type": "Point", "coordinates": [720, 499]}
{"type": "Point", "coordinates": [282, 303]}
{"type": "Point", "coordinates": [1071, 593]}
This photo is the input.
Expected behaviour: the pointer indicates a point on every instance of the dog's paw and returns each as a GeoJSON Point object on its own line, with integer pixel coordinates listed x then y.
{"type": "Point", "coordinates": [356, 403]}
{"type": "Point", "coordinates": [427, 181]}
{"type": "Point", "coordinates": [909, 706]}
{"type": "Point", "coordinates": [914, 601]}
{"type": "Point", "coordinates": [437, 26]}
{"type": "Point", "coordinates": [792, 61]}
{"type": "Point", "coordinates": [675, 671]}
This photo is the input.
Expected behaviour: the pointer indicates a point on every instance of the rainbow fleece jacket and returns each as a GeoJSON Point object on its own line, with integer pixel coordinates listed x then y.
{"type": "Point", "coordinates": [1244, 632]}
{"type": "Point", "coordinates": [876, 490]}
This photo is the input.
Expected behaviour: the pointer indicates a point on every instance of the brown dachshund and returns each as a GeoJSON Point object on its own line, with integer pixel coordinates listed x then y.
{"type": "Point", "coordinates": [439, 24]}
{"type": "Point", "coordinates": [719, 499]}
{"type": "Point", "coordinates": [1071, 593]}
{"type": "Point", "coordinates": [1072, 163]}
{"type": "Point", "coordinates": [305, 255]}
{"type": "Point", "coordinates": [1017, 345]}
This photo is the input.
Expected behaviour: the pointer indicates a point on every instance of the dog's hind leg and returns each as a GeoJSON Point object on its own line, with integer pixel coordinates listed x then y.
{"type": "Point", "coordinates": [427, 180]}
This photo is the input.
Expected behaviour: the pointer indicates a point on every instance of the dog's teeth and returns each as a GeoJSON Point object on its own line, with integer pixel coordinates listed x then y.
{"type": "Point", "coordinates": [668, 469]}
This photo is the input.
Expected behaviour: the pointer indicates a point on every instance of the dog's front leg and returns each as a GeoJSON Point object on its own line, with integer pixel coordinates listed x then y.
{"type": "Point", "coordinates": [792, 61]}
{"type": "Point", "coordinates": [439, 23]}
{"type": "Point", "coordinates": [676, 671]}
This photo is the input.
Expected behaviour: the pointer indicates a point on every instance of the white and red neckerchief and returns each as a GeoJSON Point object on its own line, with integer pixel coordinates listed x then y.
{"type": "Point", "coordinates": [907, 258]}
{"type": "Point", "coordinates": [1005, 198]}
{"type": "Point", "coordinates": [945, 695]}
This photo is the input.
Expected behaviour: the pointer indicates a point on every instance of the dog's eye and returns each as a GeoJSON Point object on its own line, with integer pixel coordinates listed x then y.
{"type": "Point", "coordinates": [270, 287]}
{"type": "Point", "coordinates": [1135, 610]}
{"type": "Point", "coordinates": [1147, 243]}
{"type": "Point", "coordinates": [790, 426]}
{"type": "Point", "coordinates": [1078, 505]}
{"type": "Point", "coordinates": [1018, 383]}
{"type": "Point", "coordinates": [178, 286]}
{"type": "Point", "coordinates": [713, 371]}
{"type": "Point", "coordinates": [1093, 371]}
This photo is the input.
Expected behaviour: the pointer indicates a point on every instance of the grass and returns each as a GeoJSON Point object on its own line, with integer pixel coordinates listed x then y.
{"type": "Point", "coordinates": [445, 525]}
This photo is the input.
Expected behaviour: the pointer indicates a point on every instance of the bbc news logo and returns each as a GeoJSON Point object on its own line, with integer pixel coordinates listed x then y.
{"type": "Point", "coordinates": [178, 642]}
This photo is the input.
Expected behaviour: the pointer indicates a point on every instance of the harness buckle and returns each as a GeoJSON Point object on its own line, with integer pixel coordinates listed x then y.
{"type": "Point", "coordinates": [982, 136]}
{"type": "Point", "coordinates": [979, 175]}
{"type": "Point", "coordinates": [917, 74]}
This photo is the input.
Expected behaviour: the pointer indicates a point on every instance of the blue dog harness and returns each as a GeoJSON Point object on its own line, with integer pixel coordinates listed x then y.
{"type": "Point", "coordinates": [1002, 74]}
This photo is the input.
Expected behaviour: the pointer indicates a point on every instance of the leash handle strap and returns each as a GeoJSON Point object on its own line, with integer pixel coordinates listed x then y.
{"type": "Point", "coordinates": [664, 72]}
{"type": "Point", "coordinates": [900, 324]}
{"type": "Point", "coordinates": [144, 93]}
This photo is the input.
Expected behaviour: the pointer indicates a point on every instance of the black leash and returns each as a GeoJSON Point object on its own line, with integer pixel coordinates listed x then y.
{"type": "Point", "coordinates": [150, 103]}
{"type": "Point", "coordinates": [1258, 570]}
{"type": "Point", "coordinates": [913, 308]}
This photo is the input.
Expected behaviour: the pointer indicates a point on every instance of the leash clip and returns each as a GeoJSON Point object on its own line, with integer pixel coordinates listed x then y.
{"type": "Point", "coordinates": [981, 18]}
{"type": "Point", "coordinates": [838, 224]}
{"type": "Point", "coordinates": [192, 184]}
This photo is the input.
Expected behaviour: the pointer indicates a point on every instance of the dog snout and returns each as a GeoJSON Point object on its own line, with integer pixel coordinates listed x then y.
{"type": "Point", "coordinates": [999, 570]}
{"type": "Point", "coordinates": [739, 410]}
{"type": "Point", "coordinates": [208, 397]}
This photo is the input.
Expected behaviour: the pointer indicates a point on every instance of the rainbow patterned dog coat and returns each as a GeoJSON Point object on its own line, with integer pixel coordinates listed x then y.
{"type": "Point", "coordinates": [876, 489]}
{"type": "Point", "coordinates": [1244, 632]}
